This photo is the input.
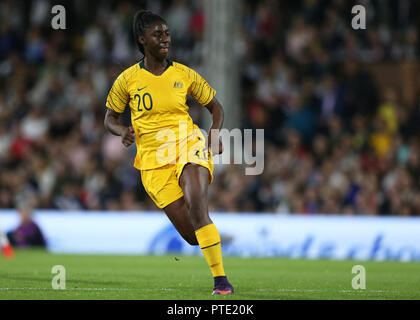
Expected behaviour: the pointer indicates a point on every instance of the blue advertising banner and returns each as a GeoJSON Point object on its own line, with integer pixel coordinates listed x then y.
{"type": "Point", "coordinates": [256, 235]}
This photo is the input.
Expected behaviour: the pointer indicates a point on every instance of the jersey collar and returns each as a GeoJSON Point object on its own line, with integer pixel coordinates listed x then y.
{"type": "Point", "coordinates": [142, 66]}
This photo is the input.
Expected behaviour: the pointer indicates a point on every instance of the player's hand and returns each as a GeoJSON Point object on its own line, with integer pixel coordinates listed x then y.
{"type": "Point", "coordinates": [217, 148]}
{"type": "Point", "coordinates": [128, 136]}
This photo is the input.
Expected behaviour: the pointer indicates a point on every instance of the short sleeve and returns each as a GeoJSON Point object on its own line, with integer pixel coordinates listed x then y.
{"type": "Point", "coordinates": [199, 89]}
{"type": "Point", "coordinates": [118, 95]}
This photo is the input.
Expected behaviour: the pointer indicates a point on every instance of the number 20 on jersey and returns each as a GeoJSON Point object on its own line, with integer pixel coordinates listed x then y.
{"type": "Point", "coordinates": [145, 101]}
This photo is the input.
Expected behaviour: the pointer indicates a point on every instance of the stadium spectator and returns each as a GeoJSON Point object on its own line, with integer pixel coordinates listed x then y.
{"type": "Point", "coordinates": [337, 141]}
{"type": "Point", "coordinates": [28, 233]}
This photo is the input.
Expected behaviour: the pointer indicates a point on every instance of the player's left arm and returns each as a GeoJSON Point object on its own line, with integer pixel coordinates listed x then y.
{"type": "Point", "coordinates": [204, 94]}
{"type": "Point", "coordinates": [216, 110]}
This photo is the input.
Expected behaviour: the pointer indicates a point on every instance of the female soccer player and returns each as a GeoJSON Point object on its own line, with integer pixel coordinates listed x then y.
{"type": "Point", "coordinates": [173, 156]}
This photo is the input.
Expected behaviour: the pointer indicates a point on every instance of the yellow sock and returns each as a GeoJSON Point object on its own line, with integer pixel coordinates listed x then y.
{"type": "Point", "coordinates": [209, 240]}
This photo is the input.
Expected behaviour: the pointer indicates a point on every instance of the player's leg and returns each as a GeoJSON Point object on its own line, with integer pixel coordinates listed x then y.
{"type": "Point", "coordinates": [177, 213]}
{"type": "Point", "coordinates": [162, 186]}
{"type": "Point", "coordinates": [194, 183]}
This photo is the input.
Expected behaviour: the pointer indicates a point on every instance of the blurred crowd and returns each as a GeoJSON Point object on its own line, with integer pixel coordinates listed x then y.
{"type": "Point", "coordinates": [335, 142]}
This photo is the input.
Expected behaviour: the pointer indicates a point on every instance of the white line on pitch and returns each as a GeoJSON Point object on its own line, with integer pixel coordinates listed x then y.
{"type": "Point", "coordinates": [314, 290]}
{"type": "Point", "coordinates": [85, 289]}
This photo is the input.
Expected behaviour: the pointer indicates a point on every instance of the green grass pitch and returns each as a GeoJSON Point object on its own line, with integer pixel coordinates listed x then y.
{"type": "Point", "coordinates": [28, 276]}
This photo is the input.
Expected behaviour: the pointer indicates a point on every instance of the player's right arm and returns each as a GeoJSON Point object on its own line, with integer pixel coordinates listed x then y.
{"type": "Point", "coordinates": [116, 102]}
{"type": "Point", "coordinates": [113, 125]}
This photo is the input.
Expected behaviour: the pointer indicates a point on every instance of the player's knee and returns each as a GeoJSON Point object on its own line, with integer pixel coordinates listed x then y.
{"type": "Point", "coordinates": [198, 213]}
{"type": "Point", "coordinates": [196, 202]}
{"type": "Point", "coordinates": [194, 206]}
{"type": "Point", "coordinates": [197, 206]}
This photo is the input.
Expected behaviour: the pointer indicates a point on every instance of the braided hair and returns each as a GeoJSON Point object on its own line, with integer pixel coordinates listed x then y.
{"type": "Point", "coordinates": [142, 20]}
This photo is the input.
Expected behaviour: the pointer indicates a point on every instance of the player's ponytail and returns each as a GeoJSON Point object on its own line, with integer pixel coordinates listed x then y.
{"type": "Point", "coordinates": [142, 20]}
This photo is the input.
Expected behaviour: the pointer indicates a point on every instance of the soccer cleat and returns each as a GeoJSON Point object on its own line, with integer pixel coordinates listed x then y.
{"type": "Point", "coordinates": [7, 251]}
{"type": "Point", "coordinates": [222, 286]}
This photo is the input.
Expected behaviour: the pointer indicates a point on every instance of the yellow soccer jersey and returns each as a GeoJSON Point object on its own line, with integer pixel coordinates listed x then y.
{"type": "Point", "coordinates": [158, 103]}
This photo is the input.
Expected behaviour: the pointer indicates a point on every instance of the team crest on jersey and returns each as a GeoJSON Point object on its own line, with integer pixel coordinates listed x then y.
{"type": "Point", "coordinates": [178, 84]}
